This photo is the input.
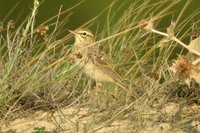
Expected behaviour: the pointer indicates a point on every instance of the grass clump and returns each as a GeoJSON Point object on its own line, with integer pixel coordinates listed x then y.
{"type": "Point", "coordinates": [38, 73]}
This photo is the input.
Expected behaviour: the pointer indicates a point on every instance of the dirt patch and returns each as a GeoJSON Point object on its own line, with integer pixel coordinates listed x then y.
{"type": "Point", "coordinates": [64, 120]}
{"type": "Point", "coordinates": [70, 120]}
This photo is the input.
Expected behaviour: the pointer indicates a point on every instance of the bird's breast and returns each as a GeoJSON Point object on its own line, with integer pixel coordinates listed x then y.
{"type": "Point", "coordinates": [96, 73]}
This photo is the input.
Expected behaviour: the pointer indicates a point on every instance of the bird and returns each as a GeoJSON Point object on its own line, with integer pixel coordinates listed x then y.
{"type": "Point", "coordinates": [92, 60]}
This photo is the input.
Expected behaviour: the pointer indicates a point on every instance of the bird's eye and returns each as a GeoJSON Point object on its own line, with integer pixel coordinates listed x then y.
{"type": "Point", "coordinates": [84, 33]}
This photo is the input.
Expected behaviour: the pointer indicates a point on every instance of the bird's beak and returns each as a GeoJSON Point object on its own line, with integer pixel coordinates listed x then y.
{"type": "Point", "coordinates": [73, 32]}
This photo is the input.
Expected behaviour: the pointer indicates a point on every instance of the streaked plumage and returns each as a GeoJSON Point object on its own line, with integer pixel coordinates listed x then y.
{"type": "Point", "coordinates": [92, 59]}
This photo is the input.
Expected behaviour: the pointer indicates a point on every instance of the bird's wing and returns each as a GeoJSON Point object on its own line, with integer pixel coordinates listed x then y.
{"type": "Point", "coordinates": [98, 58]}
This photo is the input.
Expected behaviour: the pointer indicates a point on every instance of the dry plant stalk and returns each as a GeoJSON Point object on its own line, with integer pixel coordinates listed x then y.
{"type": "Point", "coordinates": [182, 66]}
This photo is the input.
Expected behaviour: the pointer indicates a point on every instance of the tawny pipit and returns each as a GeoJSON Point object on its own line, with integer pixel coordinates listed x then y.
{"type": "Point", "coordinates": [92, 60]}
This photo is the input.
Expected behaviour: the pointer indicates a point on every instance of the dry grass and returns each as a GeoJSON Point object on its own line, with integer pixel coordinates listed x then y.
{"type": "Point", "coordinates": [37, 72]}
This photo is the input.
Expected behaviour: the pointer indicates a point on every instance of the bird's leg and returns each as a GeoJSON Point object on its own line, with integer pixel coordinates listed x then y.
{"type": "Point", "coordinates": [98, 88]}
{"type": "Point", "coordinates": [128, 96]}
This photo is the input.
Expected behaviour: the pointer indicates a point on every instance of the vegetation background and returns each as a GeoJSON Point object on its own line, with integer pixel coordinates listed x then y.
{"type": "Point", "coordinates": [83, 13]}
{"type": "Point", "coordinates": [42, 89]}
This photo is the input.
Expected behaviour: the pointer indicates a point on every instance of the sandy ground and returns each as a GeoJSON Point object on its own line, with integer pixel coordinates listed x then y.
{"type": "Point", "coordinates": [72, 120]}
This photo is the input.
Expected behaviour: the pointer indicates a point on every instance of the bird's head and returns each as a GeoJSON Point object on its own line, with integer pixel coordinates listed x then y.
{"type": "Point", "coordinates": [83, 36]}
